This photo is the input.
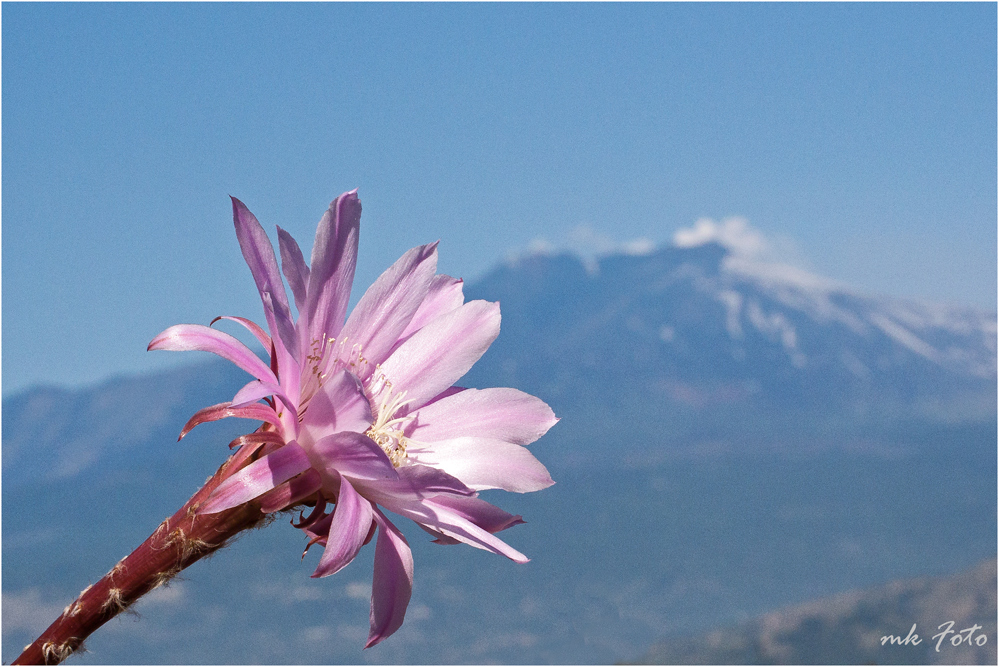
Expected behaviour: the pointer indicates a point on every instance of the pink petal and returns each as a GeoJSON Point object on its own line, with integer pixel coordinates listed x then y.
{"type": "Point", "coordinates": [248, 446]}
{"type": "Point", "coordinates": [212, 413]}
{"type": "Point", "coordinates": [294, 268]}
{"type": "Point", "coordinates": [482, 463]}
{"type": "Point", "coordinates": [445, 295]}
{"type": "Point", "coordinates": [334, 256]}
{"type": "Point", "coordinates": [439, 538]}
{"type": "Point", "coordinates": [258, 252]}
{"type": "Point", "coordinates": [257, 478]}
{"type": "Point", "coordinates": [457, 527]}
{"type": "Point", "coordinates": [255, 390]}
{"type": "Point", "coordinates": [186, 337]}
{"type": "Point", "coordinates": [421, 480]}
{"type": "Point", "coordinates": [499, 414]}
{"type": "Point", "coordinates": [389, 304]}
{"type": "Point", "coordinates": [412, 482]}
{"type": "Point", "coordinates": [323, 526]}
{"type": "Point", "coordinates": [251, 441]}
{"type": "Point", "coordinates": [354, 455]}
{"type": "Point", "coordinates": [350, 525]}
{"type": "Point", "coordinates": [255, 329]}
{"type": "Point", "coordinates": [478, 511]}
{"type": "Point", "coordinates": [392, 586]}
{"type": "Point", "coordinates": [441, 519]}
{"type": "Point", "coordinates": [259, 255]}
{"type": "Point", "coordinates": [340, 405]}
{"type": "Point", "coordinates": [475, 510]}
{"type": "Point", "coordinates": [450, 391]}
{"type": "Point", "coordinates": [279, 320]}
{"type": "Point", "coordinates": [441, 352]}
{"type": "Point", "coordinates": [291, 492]}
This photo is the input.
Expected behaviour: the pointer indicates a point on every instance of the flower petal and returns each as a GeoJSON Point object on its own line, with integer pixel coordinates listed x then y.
{"type": "Point", "coordinates": [412, 483]}
{"type": "Point", "coordinates": [339, 406]}
{"type": "Point", "coordinates": [334, 257]}
{"type": "Point", "coordinates": [499, 414]}
{"type": "Point", "coordinates": [248, 445]}
{"type": "Point", "coordinates": [389, 304]}
{"type": "Point", "coordinates": [259, 255]}
{"type": "Point", "coordinates": [478, 511]}
{"type": "Point", "coordinates": [441, 352]}
{"type": "Point", "coordinates": [392, 586]}
{"type": "Point", "coordinates": [457, 527]}
{"type": "Point", "coordinates": [258, 252]}
{"type": "Point", "coordinates": [420, 480]}
{"type": "Point", "coordinates": [291, 492]}
{"type": "Point", "coordinates": [251, 441]}
{"type": "Point", "coordinates": [445, 294]}
{"type": "Point", "coordinates": [483, 463]}
{"type": "Point", "coordinates": [351, 524]}
{"type": "Point", "coordinates": [185, 337]}
{"type": "Point", "coordinates": [439, 538]}
{"type": "Point", "coordinates": [257, 478]}
{"type": "Point", "coordinates": [279, 320]}
{"type": "Point", "coordinates": [255, 390]}
{"type": "Point", "coordinates": [294, 268]}
{"type": "Point", "coordinates": [212, 413]}
{"type": "Point", "coordinates": [354, 455]}
{"type": "Point", "coordinates": [254, 328]}
{"type": "Point", "coordinates": [488, 517]}
{"type": "Point", "coordinates": [441, 519]}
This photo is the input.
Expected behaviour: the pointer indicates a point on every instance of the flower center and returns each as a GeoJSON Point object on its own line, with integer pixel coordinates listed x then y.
{"type": "Point", "coordinates": [388, 430]}
{"type": "Point", "coordinates": [326, 356]}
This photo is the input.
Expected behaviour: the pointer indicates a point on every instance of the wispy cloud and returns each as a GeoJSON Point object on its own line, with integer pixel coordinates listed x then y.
{"type": "Point", "coordinates": [586, 243]}
{"type": "Point", "coordinates": [171, 594]}
{"type": "Point", "coordinates": [26, 610]}
{"type": "Point", "coordinates": [358, 590]}
{"type": "Point", "coordinates": [733, 233]}
{"type": "Point", "coordinates": [742, 240]}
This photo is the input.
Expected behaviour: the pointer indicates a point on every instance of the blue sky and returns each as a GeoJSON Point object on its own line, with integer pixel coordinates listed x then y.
{"type": "Point", "coordinates": [863, 133]}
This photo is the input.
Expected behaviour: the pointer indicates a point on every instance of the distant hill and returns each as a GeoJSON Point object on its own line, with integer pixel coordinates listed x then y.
{"type": "Point", "coordinates": [736, 437]}
{"type": "Point", "coordinates": [849, 628]}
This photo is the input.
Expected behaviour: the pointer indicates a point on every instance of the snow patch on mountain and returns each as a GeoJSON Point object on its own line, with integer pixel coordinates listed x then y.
{"type": "Point", "coordinates": [947, 335]}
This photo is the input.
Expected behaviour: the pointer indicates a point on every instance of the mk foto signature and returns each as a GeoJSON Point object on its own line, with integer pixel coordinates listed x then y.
{"type": "Point", "coordinates": [966, 636]}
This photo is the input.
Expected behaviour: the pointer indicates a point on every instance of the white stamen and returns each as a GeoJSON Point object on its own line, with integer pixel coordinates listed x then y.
{"type": "Point", "coordinates": [388, 430]}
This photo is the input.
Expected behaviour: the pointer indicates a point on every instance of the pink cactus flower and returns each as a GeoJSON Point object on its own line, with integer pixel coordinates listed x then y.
{"type": "Point", "coordinates": [361, 415]}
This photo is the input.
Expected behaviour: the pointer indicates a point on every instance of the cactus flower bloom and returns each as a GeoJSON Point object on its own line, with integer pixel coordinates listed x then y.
{"type": "Point", "coordinates": [360, 413]}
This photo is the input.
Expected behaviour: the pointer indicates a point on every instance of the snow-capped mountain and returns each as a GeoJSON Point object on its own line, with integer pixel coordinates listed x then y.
{"type": "Point", "coordinates": [700, 328]}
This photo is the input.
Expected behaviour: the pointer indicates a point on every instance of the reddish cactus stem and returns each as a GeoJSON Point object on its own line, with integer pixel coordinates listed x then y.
{"type": "Point", "coordinates": [178, 542]}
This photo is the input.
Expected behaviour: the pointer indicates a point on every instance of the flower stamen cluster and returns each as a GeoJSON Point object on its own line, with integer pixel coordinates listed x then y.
{"type": "Point", "coordinates": [387, 430]}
